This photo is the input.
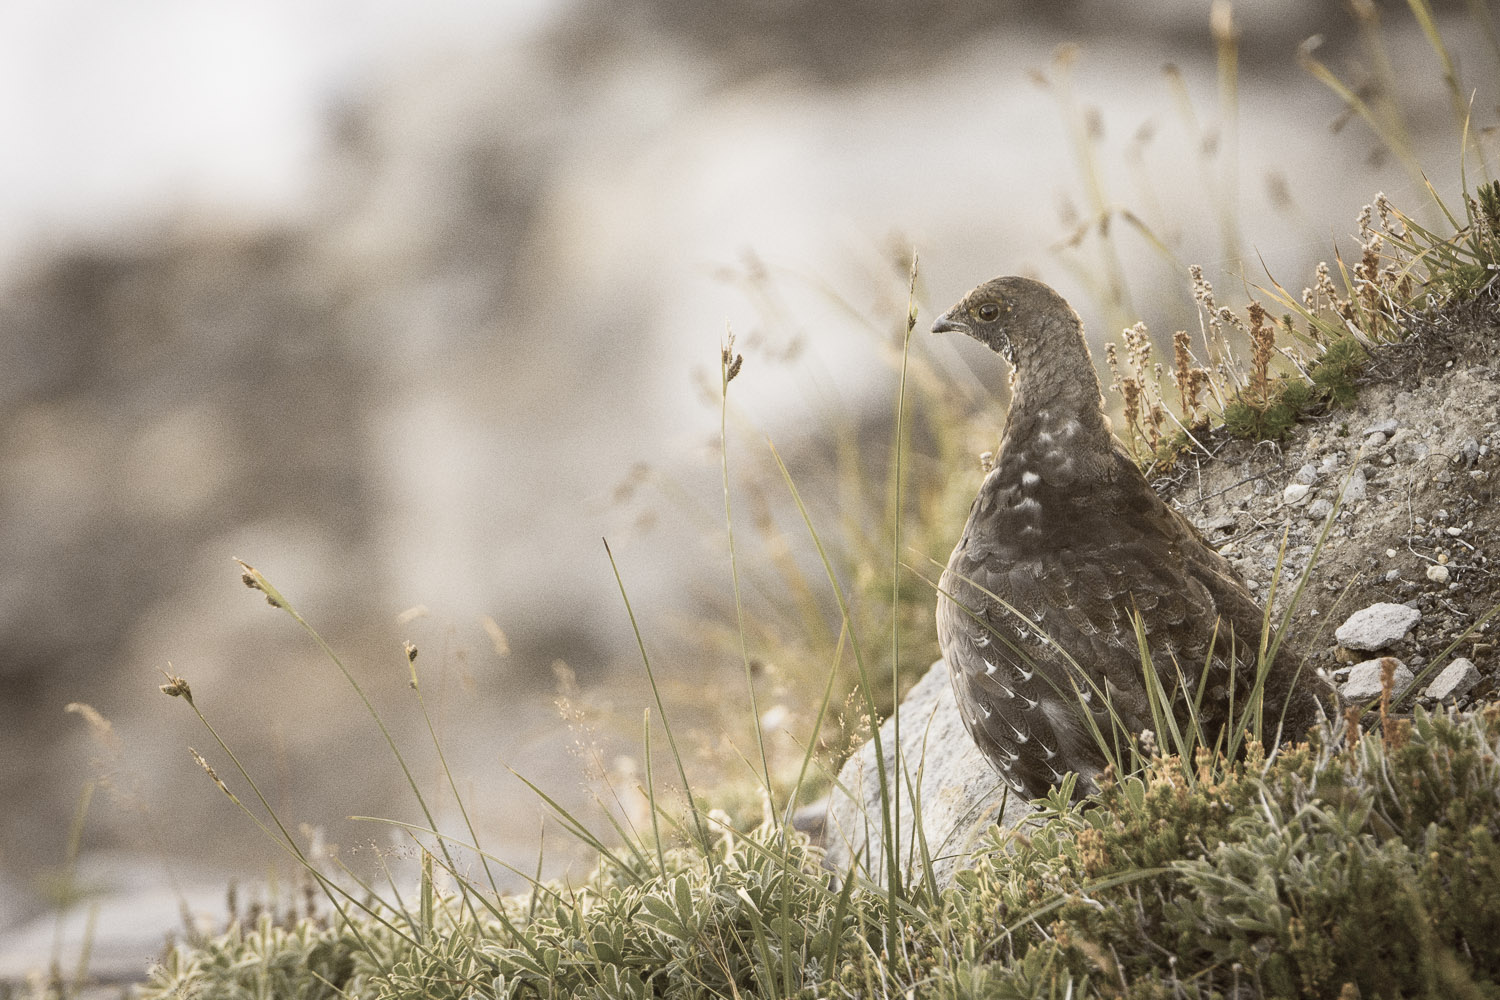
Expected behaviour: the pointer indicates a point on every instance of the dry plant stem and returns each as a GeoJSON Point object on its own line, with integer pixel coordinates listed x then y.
{"type": "Point", "coordinates": [68, 890]}
{"type": "Point", "coordinates": [255, 580]}
{"type": "Point", "coordinates": [1262, 340]}
{"type": "Point", "coordinates": [911, 324]}
{"type": "Point", "coordinates": [577, 829]}
{"type": "Point", "coordinates": [1081, 132]}
{"type": "Point", "coordinates": [178, 688]}
{"type": "Point", "coordinates": [416, 830]}
{"type": "Point", "coordinates": [817, 726]}
{"type": "Point", "coordinates": [640, 642]}
{"type": "Point", "coordinates": [729, 366]}
{"type": "Point", "coordinates": [437, 745]}
{"type": "Point", "coordinates": [661, 851]}
{"type": "Point", "coordinates": [1226, 38]}
{"type": "Point", "coordinates": [1391, 135]}
{"type": "Point", "coordinates": [883, 774]}
{"type": "Point", "coordinates": [1387, 682]}
{"type": "Point", "coordinates": [1456, 98]}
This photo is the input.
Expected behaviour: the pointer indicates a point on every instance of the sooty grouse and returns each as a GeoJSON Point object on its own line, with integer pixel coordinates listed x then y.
{"type": "Point", "coordinates": [1068, 533]}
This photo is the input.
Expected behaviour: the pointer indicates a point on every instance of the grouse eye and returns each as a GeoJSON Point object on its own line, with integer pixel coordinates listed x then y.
{"type": "Point", "coordinates": [989, 312]}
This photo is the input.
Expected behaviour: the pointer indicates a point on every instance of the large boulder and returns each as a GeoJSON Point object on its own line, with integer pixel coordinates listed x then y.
{"type": "Point", "coordinates": [960, 795]}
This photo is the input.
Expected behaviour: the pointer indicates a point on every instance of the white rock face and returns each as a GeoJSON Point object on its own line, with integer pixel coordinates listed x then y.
{"type": "Point", "coordinates": [1456, 680]}
{"type": "Point", "coordinates": [1364, 680]}
{"type": "Point", "coordinates": [961, 794]}
{"type": "Point", "coordinates": [1377, 626]}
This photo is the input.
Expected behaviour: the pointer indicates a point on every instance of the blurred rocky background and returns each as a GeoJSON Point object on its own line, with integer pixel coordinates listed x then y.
{"type": "Point", "coordinates": [409, 310]}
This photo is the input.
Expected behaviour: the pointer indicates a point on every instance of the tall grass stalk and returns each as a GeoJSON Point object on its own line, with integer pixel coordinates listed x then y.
{"type": "Point", "coordinates": [1391, 134]}
{"type": "Point", "coordinates": [729, 367]}
{"type": "Point", "coordinates": [254, 579]}
{"type": "Point", "coordinates": [1457, 101]}
{"type": "Point", "coordinates": [437, 746]}
{"type": "Point", "coordinates": [67, 894]}
{"type": "Point", "coordinates": [666, 725]}
{"type": "Point", "coordinates": [1227, 47]}
{"type": "Point", "coordinates": [883, 773]}
{"type": "Point", "coordinates": [1084, 130]}
{"type": "Point", "coordinates": [898, 451]}
{"type": "Point", "coordinates": [177, 687]}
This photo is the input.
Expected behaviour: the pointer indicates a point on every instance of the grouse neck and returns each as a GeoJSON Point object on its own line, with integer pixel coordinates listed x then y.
{"type": "Point", "coordinates": [1055, 393]}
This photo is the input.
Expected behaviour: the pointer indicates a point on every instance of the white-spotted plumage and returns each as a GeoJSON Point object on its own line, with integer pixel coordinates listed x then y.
{"type": "Point", "coordinates": [1067, 534]}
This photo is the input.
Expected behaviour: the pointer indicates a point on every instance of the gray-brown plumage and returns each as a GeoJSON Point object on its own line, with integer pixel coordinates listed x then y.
{"type": "Point", "coordinates": [1068, 533]}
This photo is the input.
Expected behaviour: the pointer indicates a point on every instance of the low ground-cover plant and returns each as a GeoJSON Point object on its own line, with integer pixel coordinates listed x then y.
{"type": "Point", "coordinates": [1374, 864]}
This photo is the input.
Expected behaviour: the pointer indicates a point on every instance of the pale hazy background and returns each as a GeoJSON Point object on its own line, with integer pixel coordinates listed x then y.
{"type": "Point", "coordinates": [408, 305]}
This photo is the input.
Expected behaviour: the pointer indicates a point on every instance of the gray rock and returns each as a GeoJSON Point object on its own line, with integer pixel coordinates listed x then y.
{"type": "Point", "coordinates": [1454, 681]}
{"type": "Point", "coordinates": [1377, 626]}
{"type": "Point", "coordinates": [1295, 493]}
{"type": "Point", "coordinates": [1356, 487]}
{"type": "Point", "coordinates": [1387, 426]}
{"type": "Point", "coordinates": [1319, 509]}
{"type": "Point", "coordinates": [1364, 680]}
{"type": "Point", "coordinates": [961, 794]}
{"type": "Point", "coordinates": [1307, 474]}
{"type": "Point", "coordinates": [1469, 451]}
{"type": "Point", "coordinates": [1413, 450]}
{"type": "Point", "coordinates": [1223, 522]}
{"type": "Point", "coordinates": [1374, 441]}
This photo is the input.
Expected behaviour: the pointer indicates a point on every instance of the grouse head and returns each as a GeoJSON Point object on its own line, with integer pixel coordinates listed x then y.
{"type": "Point", "coordinates": [1056, 428]}
{"type": "Point", "coordinates": [1015, 317]}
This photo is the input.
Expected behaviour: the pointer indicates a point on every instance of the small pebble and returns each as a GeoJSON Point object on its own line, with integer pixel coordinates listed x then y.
{"type": "Point", "coordinates": [1374, 441]}
{"type": "Point", "coordinates": [1319, 509]}
{"type": "Point", "coordinates": [1354, 489]}
{"type": "Point", "coordinates": [1295, 493]}
{"type": "Point", "coordinates": [1437, 574]}
{"type": "Point", "coordinates": [1455, 532]}
{"type": "Point", "coordinates": [1414, 451]}
{"type": "Point", "coordinates": [1385, 426]}
{"type": "Point", "coordinates": [1307, 474]}
{"type": "Point", "coordinates": [1390, 553]}
{"type": "Point", "coordinates": [1392, 576]}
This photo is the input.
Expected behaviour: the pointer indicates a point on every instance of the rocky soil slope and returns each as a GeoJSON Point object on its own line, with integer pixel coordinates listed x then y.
{"type": "Point", "coordinates": [1415, 462]}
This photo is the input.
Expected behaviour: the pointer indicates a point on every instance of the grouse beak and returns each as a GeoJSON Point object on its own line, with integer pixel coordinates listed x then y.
{"type": "Point", "coordinates": [947, 324]}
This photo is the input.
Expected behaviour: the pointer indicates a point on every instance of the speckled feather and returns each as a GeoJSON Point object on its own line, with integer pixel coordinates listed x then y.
{"type": "Point", "coordinates": [1068, 533]}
